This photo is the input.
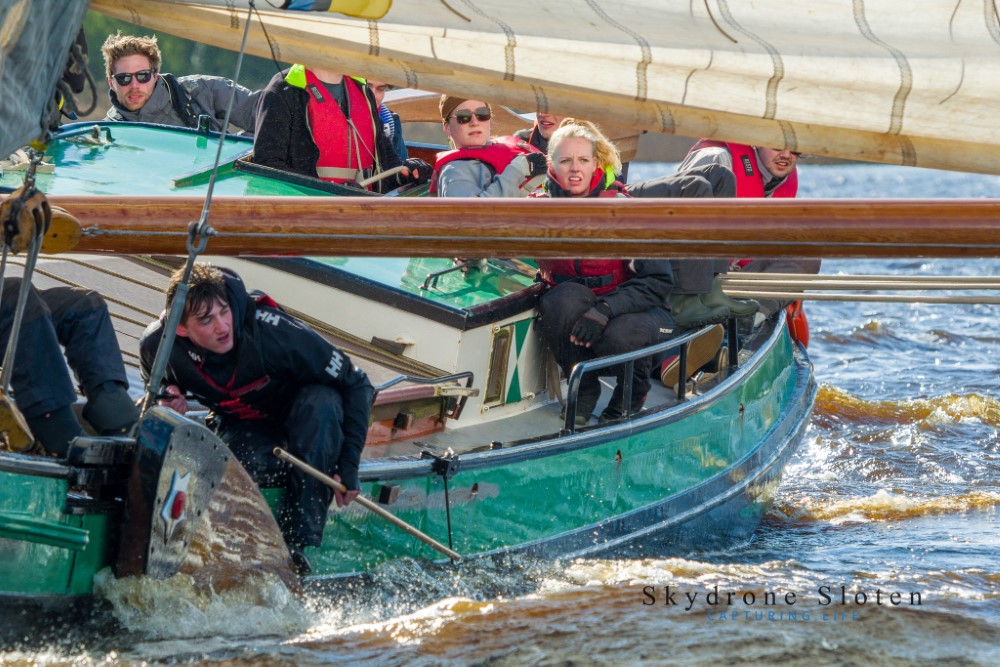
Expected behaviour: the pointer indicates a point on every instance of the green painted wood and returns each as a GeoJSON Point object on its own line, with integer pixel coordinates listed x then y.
{"type": "Point", "coordinates": [34, 567]}
{"type": "Point", "coordinates": [544, 497]}
{"type": "Point", "coordinates": [17, 526]}
{"type": "Point", "coordinates": [145, 160]}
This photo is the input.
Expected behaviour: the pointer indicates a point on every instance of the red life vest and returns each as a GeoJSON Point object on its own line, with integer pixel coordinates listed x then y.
{"type": "Point", "coordinates": [748, 179]}
{"type": "Point", "coordinates": [600, 275]}
{"type": "Point", "coordinates": [344, 149]}
{"type": "Point", "coordinates": [498, 153]}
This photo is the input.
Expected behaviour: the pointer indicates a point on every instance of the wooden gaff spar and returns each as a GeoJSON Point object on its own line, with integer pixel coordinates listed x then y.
{"type": "Point", "coordinates": [346, 226]}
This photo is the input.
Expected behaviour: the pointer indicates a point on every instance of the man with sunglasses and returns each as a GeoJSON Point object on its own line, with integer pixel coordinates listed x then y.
{"type": "Point", "coordinates": [325, 124]}
{"type": "Point", "coordinates": [760, 171]}
{"type": "Point", "coordinates": [140, 93]}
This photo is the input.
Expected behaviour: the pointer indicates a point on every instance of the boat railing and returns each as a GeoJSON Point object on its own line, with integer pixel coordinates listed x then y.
{"type": "Point", "coordinates": [439, 387]}
{"type": "Point", "coordinates": [628, 359]}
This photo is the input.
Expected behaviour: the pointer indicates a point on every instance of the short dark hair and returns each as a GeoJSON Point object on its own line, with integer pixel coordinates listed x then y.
{"type": "Point", "coordinates": [206, 286]}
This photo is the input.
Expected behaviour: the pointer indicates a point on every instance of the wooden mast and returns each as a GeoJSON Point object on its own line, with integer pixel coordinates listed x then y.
{"type": "Point", "coordinates": [404, 227]}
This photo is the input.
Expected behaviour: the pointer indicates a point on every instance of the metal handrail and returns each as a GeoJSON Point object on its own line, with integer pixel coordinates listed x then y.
{"type": "Point", "coordinates": [628, 358]}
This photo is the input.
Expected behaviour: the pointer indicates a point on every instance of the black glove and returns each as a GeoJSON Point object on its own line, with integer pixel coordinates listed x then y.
{"type": "Point", "coordinates": [348, 472]}
{"type": "Point", "coordinates": [538, 164]}
{"type": "Point", "coordinates": [590, 327]}
{"type": "Point", "coordinates": [420, 172]}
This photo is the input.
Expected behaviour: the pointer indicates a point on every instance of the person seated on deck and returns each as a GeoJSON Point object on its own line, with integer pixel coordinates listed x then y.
{"type": "Point", "coordinates": [326, 125]}
{"type": "Point", "coordinates": [76, 319]}
{"type": "Point", "coordinates": [693, 305]}
{"type": "Point", "coordinates": [140, 93]}
{"type": "Point", "coordinates": [391, 124]}
{"type": "Point", "coordinates": [269, 380]}
{"type": "Point", "coordinates": [599, 307]}
{"type": "Point", "coordinates": [480, 165]}
{"type": "Point", "coordinates": [759, 172]}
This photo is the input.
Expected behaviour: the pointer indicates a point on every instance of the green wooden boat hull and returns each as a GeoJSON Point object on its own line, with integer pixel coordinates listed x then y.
{"type": "Point", "coordinates": [690, 478]}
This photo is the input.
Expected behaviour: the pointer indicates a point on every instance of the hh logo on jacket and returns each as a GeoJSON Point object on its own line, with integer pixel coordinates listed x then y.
{"type": "Point", "coordinates": [336, 363]}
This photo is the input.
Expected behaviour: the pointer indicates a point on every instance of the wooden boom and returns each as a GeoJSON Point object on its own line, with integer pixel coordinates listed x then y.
{"type": "Point", "coordinates": [410, 227]}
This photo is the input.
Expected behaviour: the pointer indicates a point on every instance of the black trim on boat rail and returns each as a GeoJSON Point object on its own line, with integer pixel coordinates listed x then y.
{"type": "Point", "coordinates": [457, 318]}
{"type": "Point", "coordinates": [302, 180]}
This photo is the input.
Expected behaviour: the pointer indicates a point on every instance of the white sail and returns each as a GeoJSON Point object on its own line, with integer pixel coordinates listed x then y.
{"type": "Point", "coordinates": [911, 82]}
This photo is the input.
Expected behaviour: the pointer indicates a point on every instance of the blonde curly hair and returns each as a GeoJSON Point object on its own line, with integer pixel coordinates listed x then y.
{"type": "Point", "coordinates": [605, 153]}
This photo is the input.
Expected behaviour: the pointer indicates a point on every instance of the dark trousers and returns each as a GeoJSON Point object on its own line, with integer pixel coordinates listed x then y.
{"type": "Point", "coordinates": [313, 432]}
{"type": "Point", "coordinates": [78, 320]}
{"type": "Point", "coordinates": [691, 276]}
{"type": "Point", "coordinates": [559, 310]}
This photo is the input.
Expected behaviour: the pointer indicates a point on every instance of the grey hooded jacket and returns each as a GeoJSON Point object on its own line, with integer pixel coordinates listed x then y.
{"type": "Point", "coordinates": [209, 95]}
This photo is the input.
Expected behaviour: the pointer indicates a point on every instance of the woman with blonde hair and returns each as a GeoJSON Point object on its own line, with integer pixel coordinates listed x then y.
{"type": "Point", "coordinates": [599, 307]}
{"type": "Point", "coordinates": [583, 162]}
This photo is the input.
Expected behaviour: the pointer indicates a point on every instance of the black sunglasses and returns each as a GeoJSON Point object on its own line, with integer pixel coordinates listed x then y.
{"type": "Point", "coordinates": [142, 76]}
{"type": "Point", "coordinates": [464, 116]}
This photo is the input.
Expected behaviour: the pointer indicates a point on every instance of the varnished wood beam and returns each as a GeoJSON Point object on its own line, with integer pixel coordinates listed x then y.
{"type": "Point", "coordinates": [405, 227]}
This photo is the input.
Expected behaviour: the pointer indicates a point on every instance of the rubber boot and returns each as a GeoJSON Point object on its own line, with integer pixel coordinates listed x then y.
{"type": "Point", "coordinates": [737, 307]}
{"type": "Point", "coordinates": [56, 429]}
{"type": "Point", "coordinates": [110, 410]}
{"type": "Point", "coordinates": [690, 312]}
{"type": "Point", "coordinates": [614, 409]}
{"type": "Point", "coordinates": [586, 401]}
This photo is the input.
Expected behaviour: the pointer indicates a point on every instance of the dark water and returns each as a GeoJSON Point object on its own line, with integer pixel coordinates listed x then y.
{"type": "Point", "coordinates": [882, 549]}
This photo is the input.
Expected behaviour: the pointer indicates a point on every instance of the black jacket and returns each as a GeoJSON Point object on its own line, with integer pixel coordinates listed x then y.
{"type": "Point", "coordinates": [273, 356]}
{"type": "Point", "coordinates": [283, 140]}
